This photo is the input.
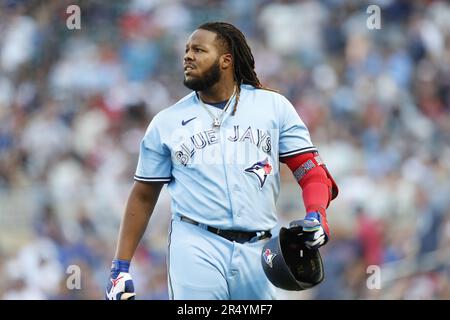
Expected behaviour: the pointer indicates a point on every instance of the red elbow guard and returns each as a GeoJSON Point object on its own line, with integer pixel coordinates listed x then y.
{"type": "Point", "coordinates": [318, 186]}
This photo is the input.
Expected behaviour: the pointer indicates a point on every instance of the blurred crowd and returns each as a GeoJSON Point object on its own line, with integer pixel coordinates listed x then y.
{"type": "Point", "coordinates": [74, 105]}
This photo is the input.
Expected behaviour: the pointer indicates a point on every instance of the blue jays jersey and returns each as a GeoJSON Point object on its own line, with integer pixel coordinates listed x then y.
{"type": "Point", "coordinates": [226, 177]}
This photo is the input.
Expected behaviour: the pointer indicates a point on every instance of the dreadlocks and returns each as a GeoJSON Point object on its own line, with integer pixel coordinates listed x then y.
{"type": "Point", "coordinates": [233, 41]}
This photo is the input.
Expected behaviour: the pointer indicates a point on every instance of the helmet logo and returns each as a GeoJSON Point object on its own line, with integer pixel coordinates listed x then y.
{"type": "Point", "coordinates": [268, 257]}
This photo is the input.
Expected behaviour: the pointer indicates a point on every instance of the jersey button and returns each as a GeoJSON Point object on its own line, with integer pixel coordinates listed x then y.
{"type": "Point", "coordinates": [236, 188]}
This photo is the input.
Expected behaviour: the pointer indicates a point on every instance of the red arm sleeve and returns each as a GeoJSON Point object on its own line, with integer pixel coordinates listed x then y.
{"type": "Point", "coordinates": [318, 187]}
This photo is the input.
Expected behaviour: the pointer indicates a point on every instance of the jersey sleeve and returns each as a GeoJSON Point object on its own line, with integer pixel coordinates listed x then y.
{"type": "Point", "coordinates": [154, 163]}
{"type": "Point", "coordinates": [294, 135]}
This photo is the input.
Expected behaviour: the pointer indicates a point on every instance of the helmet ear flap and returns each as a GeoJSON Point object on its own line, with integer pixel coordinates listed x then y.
{"type": "Point", "coordinates": [289, 265]}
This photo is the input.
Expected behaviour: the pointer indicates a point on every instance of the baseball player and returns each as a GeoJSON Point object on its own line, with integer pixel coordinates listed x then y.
{"type": "Point", "coordinates": [219, 150]}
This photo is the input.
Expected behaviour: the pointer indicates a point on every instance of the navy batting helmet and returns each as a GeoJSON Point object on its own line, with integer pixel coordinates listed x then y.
{"type": "Point", "coordinates": [289, 264]}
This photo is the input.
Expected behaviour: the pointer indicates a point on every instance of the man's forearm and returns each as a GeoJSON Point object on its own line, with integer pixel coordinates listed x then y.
{"type": "Point", "coordinates": [139, 208]}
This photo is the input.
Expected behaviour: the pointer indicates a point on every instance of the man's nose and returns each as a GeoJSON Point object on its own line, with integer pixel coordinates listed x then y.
{"type": "Point", "coordinates": [188, 56]}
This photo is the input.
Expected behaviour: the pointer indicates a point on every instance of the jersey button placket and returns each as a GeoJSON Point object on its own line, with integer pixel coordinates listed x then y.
{"type": "Point", "coordinates": [238, 211]}
{"type": "Point", "coordinates": [223, 144]}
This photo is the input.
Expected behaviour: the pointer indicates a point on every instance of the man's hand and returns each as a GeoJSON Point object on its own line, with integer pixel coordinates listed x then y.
{"type": "Point", "coordinates": [313, 229]}
{"type": "Point", "coordinates": [120, 286]}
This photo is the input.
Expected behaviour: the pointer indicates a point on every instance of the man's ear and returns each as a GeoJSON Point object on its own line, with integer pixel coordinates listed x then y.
{"type": "Point", "coordinates": [226, 61]}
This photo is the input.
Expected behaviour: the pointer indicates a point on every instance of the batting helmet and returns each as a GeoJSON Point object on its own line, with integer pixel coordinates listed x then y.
{"type": "Point", "coordinates": [289, 264]}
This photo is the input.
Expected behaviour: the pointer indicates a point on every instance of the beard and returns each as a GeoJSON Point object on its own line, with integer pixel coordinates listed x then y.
{"type": "Point", "coordinates": [210, 78]}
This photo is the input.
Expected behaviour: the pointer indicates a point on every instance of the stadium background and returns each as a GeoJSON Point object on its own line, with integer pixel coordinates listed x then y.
{"type": "Point", "coordinates": [74, 105]}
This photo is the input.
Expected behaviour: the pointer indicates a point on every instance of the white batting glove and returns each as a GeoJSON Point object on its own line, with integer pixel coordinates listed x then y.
{"type": "Point", "coordinates": [314, 229]}
{"type": "Point", "coordinates": [120, 285]}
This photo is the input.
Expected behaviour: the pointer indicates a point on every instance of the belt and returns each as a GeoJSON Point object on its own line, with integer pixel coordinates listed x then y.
{"type": "Point", "coordinates": [233, 235]}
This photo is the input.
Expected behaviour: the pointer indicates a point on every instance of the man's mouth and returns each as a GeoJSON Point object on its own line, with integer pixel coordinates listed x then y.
{"type": "Point", "coordinates": [188, 68]}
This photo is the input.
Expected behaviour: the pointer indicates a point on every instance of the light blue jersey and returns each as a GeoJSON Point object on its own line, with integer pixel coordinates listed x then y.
{"type": "Point", "coordinates": [227, 178]}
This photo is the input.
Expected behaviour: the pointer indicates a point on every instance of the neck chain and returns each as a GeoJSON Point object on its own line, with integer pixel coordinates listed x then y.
{"type": "Point", "coordinates": [217, 120]}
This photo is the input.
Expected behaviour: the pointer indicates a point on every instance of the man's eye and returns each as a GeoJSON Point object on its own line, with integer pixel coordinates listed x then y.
{"type": "Point", "coordinates": [199, 50]}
